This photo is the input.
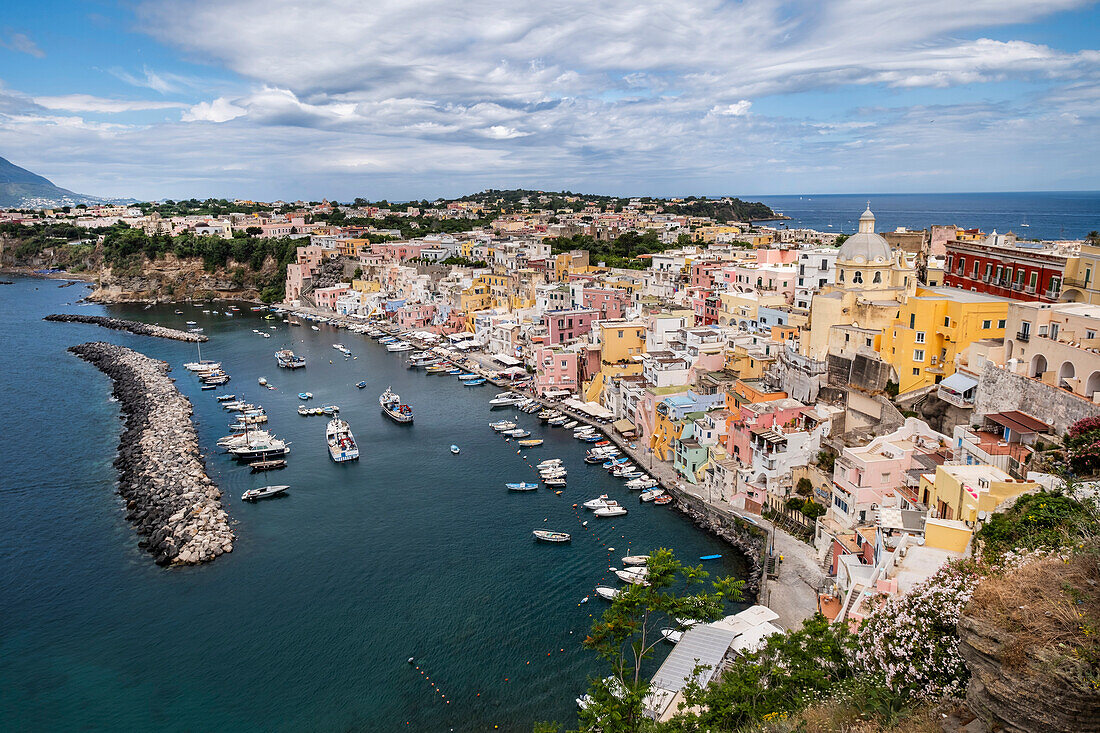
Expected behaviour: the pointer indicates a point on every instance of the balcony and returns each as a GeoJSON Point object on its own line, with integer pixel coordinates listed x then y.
{"type": "Point", "coordinates": [1075, 282]}
{"type": "Point", "coordinates": [1024, 336]}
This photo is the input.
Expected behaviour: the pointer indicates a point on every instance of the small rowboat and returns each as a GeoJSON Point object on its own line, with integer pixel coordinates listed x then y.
{"type": "Point", "coordinates": [530, 443]}
{"type": "Point", "coordinates": [662, 500]}
{"type": "Point", "coordinates": [548, 536]}
{"type": "Point", "coordinates": [454, 449]}
{"type": "Point", "coordinates": [709, 557]}
{"type": "Point", "coordinates": [263, 492]}
{"type": "Point", "coordinates": [475, 382]}
{"type": "Point", "coordinates": [267, 465]}
{"type": "Point", "coordinates": [361, 385]}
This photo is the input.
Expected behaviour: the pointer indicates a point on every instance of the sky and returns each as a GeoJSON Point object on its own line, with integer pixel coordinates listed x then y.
{"type": "Point", "coordinates": [410, 99]}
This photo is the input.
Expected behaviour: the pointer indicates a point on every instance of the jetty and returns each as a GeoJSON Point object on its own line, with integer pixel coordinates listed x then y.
{"type": "Point", "coordinates": [118, 324]}
{"type": "Point", "coordinates": [170, 500]}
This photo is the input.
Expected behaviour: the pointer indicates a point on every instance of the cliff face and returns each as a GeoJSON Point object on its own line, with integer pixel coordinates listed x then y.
{"type": "Point", "coordinates": [1028, 642]}
{"type": "Point", "coordinates": [171, 278]}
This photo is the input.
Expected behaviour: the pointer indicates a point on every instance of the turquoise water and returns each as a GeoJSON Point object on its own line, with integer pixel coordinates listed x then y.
{"type": "Point", "coordinates": [410, 552]}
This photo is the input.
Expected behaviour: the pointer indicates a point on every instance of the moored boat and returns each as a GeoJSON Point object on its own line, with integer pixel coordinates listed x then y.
{"type": "Point", "coordinates": [394, 408]}
{"type": "Point", "coordinates": [504, 399]}
{"type": "Point", "coordinates": [531, 442]}
{"type": "Point", "coordinates": [454, 449]}
{"type": "Point", "coordinates": [610, 511]}
{"type": "Point", "coordinates": [521, 486]}
{"type": "Point", "coordinates": [263, 492]}
{"type": "Point", "coordinates": [636, 560]}
{"type": "Point", "coordinates": [287, 359]}
{"type": "Point", "coordinates": [608, 594]}
{"type": "Point", "coordinates": [662, 500]}
{"type": "Point", "coordinates": [651, 494]}
{"type": "Point", "coordinates": [341, 442]}
{"type": "Point", "coordinates": [546, 535]}
{"type": "Point", "coordinates": [258, 466]}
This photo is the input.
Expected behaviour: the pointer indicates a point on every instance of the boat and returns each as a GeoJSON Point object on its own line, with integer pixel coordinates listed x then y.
{"type": "Point", "coordinates": [287, 359]}
{"type": "Point", "coordinates": [597, 503]}
{"type": "Point", "coordinates": [672, 635]}
{"type": "Point", "coordinates": [341, 442]}
{"type": "Point", "coordinates": [503, 425]}
{"type": "Point", "coordinates": [304, 411]}
{"type": "Point", "coordinates": [531, 442]}
{"type": "Point", "coordinates": [361, 385]}
{"type": "Point", "coordinates": [394, 408]}
{"type": "Point", "coordinates": [636, 560]}
{"type": "Point", "coordinates": [454, 371]}
{"type": "Point", "coordinates": [468, 375]}
{"type": "Point", "coordinates": [262, 381]}
{"type": "Point", "coordinates": [400, 346]}
{"type": "Point", "coordinates": [662, 500]}
{"type": "Point", "coordinates": [330, 410]}
{"type": "Point", "coordinates": [570, 425]}
{"type": "Point", "coordinates": [554, 481]}
{"type": "Point", "coordinates": [505, 399]}
{"type": "Point", "coordinates": [608, 594]}
{"type": "Point", "coordinates": [651, 494]}
{"type": "Point", "coordinates": [610, 511]}
{"type": "Point", "coordinates": [546, 535]}
{"type": "Point", "coordinates": [548, 463]}
{"type": "Point", "coordinates": [709, 557]}
{"type": "Point", "coordinates": [436, 369]}
{"type": "Point", "coordinates": [269, 317]}
{"type": "Point", "coordinates": [266, 335]}
{"type": "Point", "coordinates": [261, 448]}
{"type": "Point", "coordinates": [236, 439]}
{"type": "Point", "coordinates": [305, 395]}
{"type": "Point", "coordinates": [202, 365]}
{"type": "Point", "coordinates": [454, 449]}
{"type": "Point", "coordinates": [522, 486]}
{"type": "Point", "coordinates": [629, 577]}
{"type": "Point", "coordinates": [641, 483]}
{"type": "Point", "coordinates": [263, 492]}
{"type": "Point", "coordinates": [475, 382]}
{"type": "Point", "coordinates": [516, 433]}
{"type": "Point", "coordinates": [556, 421]}
{"type": "Point", "coordinates": [315, 328]}
{"type": "Point", "coordinates": [225, 397]}
{"type": "Point", "coordinates": [259, 466]}
{"type": "Point", "coordinates": [553, 473]}
{"type": "Point", "coordinates": [208, 386]}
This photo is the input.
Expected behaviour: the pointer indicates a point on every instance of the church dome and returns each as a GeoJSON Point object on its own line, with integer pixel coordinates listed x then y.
{"type": "Point", "coordinates": [865, 246]}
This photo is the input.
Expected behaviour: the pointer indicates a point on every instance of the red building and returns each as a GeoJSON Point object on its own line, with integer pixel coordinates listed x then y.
{"type": "Point", "coordinates": [998, 265]}
{"type": "Point", "coordinates": [566, 325]}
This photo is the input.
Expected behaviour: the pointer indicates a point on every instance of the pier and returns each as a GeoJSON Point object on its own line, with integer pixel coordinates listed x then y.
{"type": "Point", "coordinates": [117, 324]}
{"type": "Point", "coordinates": [170, 500]}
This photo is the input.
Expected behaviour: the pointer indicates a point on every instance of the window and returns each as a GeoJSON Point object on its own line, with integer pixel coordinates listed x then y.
{"type": "Point", "coordinates": [1054, 330]}
{"type": "Point", "coordinates": [824, 264]}
{"type": "Point", "coordinates": [974, 272]}
{"type": "Point", "coordinates": [997, 277]}
{"type": "Point", "coordinates": [1001, 323]}
{"type": "Point", "coordinates": [1033, 281]}
{"type": "Point", "coordinates": [1025, 328]}
{"type": "Point", "coordinates": [858, 277]}
{"type": "Point", "coordinates": [947, 321]}
{"type": "Point", "coordinates": [918, 355]}
{"type": "Point", "coordinates": [842, 276]}
{"type": "Point", "coordinates": [868, 342]}
{"type": "Point", "coordinates": [916, 371]}
{"type": "Point", "coordinates": [912, 322]}
{"type": "Point", "coordinates": [988, 272]}
{"type": "Point", "coordinates": [878, 277]}
{"type": "Point", "coordinates": [962, 265]}
{"type": "Point", "coordinates": [1090, 334]}
{"type": "Point", "coordinates": [920, 337]}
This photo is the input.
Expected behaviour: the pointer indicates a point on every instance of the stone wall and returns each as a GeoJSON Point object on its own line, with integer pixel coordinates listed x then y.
{"type": "Point", "coordinates": [750, 540]}
{"type": "Point", "coordinates": [1000, 390]}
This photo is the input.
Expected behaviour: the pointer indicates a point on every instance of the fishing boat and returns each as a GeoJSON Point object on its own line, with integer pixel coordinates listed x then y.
{"type": "Point", "coordinates": [341, 442]}
{"type": "Point", "coordinates": [608, 594]}
{"type": "Point", "coordinates": [287, 359]}
{"type": "Point", "coordinates": [454, 449]}
{"type": "Point", "coordinates": [531, 442]}
{"type": "Point", "coordinates": [545, 535]}
{"type": "Point", "coordinates": [330, 410]}
{"type": "Point", "coordinates": [610, 511]}
{"type": "Point", "coordinates": [475, 382]}
{"type": "Point", "coordinates": [436, 369]}
{"type": "Point", "coordinates": [651, 494]}
{"type": "Point", "coordinates": [361, 385]}
{"type": "Point", "coordinates": [216, 378]}
{"type": "Point", "coordinates": [662, 500]}
{"type": "Point", "coordinates": [259, 466]}
{"type": "Point", "coordinates": [504, 399]}
{"type": "Point", "coordinates": [394, 408]}
{"type": "Point", "coordinates": [454, 371]}
{"type": "Point", "coordinates": [263, 492]}
{"type": "Point", "coordinates": [305, 395]}
{"type": "Point", "coordinates": [521, 486]}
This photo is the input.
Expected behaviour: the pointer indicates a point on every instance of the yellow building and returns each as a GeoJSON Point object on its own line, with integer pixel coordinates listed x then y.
{"type": "Point", "coordinates": [1081, 275]}
{"type": "Point", "coordinates": [740, 309]}
{"type": "Point", "coordinates": [961, 492]}
{"type": "Point", "coordinates": [352, 247]}
{"type": "Point", "coordinates": [366, 286]}
{"type": "Point", "coordinates": [933, 327]}
{"type": "Point", "coordinates": [620, 343]}
{"type": "Point", "coordinates": [709, 234]}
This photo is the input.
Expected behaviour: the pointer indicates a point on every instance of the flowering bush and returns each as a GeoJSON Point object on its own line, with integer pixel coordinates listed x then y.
{"type": "Point", "coordinates": [912, 641]}
{"type": "Point", "coordinates": [1083, 444]}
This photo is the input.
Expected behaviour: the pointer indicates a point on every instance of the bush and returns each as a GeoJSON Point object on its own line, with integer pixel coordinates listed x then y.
{"type": "Point", "coordinates": [804, 487]}
{"type": "Point", "coordinates": [1044, 519]}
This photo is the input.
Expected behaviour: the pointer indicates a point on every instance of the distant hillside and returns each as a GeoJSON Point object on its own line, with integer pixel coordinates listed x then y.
{"type": "Point", "coordinates": [19, 188]}
{"type": "Point", "coordinates": [722, 209]}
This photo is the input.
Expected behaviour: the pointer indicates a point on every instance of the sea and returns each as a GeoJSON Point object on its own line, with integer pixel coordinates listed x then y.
{"type": "Point", "coordinates": [1047, 215]}
{"type": "Point", "coordinates": [410, 552]}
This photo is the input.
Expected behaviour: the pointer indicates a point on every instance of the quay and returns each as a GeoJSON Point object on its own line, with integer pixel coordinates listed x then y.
{"type": "Point", "coordinates": [170, 500]}
{"type": "Point", "coordinates": [118, 324]}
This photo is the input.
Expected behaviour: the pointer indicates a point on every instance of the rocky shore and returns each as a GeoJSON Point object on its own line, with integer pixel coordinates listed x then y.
{"type": "Point", "coordinates": [170, 500]}
{"type": "Point", "coordinates": [117, 324]}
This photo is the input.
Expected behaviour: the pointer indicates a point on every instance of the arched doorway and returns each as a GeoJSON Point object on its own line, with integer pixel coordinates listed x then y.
{"type": "Point", "coordinates": [1038, 366]}
{"type": "Point", "coordinates": [1066, 372]}
{"type": "Point", "coordinates": [1092, 385]}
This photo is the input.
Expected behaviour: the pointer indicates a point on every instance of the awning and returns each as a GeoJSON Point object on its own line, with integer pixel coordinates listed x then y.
{"type": "Point", "coordinates": [507, 360]}
{"type": "Point", "coordinates": [557, 393]}
{"type": "Point", "coordinates": [1018, 422]}
{"type": "Point", "coordinates": [959, 382]}
{"type": "Point", "coordinates": [623, 426]}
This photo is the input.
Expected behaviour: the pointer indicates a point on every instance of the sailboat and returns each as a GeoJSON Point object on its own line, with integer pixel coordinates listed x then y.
{"type": "Point", "coordinates": [202, 365]}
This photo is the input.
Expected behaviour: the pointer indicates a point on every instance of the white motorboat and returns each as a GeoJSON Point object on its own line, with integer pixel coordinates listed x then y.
{"type": "Point", "coordinates": [238, 439]}
{"type": "Point", "coordinates": [651, 494]}
{"type": "Point", "coordinates": [555, 482]}
{"type": "Point", "coordinates": [256, 447]}
{"type": "Point", "coordinates": [608, 594]}
{"type": "Point", "coordinates": [553, 473]}
{"type": "Point", "coordinates": [262, 381]}
{"type": "Point", "coordinates": [500, 427]}
{"type": "Point", "coordinates": [598, 503]}
{"type": "Point", "coordinates": [263, 492]}
{"type": "Point", "coordinates": [635, 559]}
{"type": "Point", "coordinates": [548, 463]}
{"type": "Point", "coordinates": [400, 346]}
{"type": "Point", "coordinates": [641, 483]}
{"type": "Point", "coordinates": [516, 433]}
{"type": "Point", "coordinates": [633, 578]}
{"type": "Point", "coordinates": [610, 511]}
{"type": "Point", "coordinates": [556, 421]}
{"type": "Point", "coordinates": [505, 399]}
{"type": "Point", "coordinates": [570, 425]}
{"type": "Point", "coordinates": [341, 442]}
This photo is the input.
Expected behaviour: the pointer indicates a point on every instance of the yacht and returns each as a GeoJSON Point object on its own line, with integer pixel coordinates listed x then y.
{"type": "Point", "coordinates": [505, 399]}
{"type": "Point", "coordinates": [341, 443]}
{"type": "Point", "coordinates": [263, 492]}
{"type": "Point", "coordinates": [393, 407]}
{"type": "Point", "coordinates": [202, 365]}
{"type": "Point", "coordinates": [255, 446]}
{"type": "Point", "coordinates": [400, 346]}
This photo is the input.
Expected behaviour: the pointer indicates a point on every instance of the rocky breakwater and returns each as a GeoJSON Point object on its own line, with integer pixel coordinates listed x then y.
{"type": "Point", "coordinates": [750, 540]}
{"type": "Point", "coordinates": [170, 500]}
{"type": "Point", "coordinates": [117, 324]}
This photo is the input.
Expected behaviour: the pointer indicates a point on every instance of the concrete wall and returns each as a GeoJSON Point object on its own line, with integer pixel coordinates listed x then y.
{"type": "Point", "coordinates": [1000, 390]}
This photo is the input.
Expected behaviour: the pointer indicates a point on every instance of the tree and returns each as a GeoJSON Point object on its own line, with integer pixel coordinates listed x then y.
{"type": "Point", "coordinates": [629, 630]}
{"type": "Point", "coordinates": [804, 487]}
{"type": "Point", "coordinates": [253, 231]}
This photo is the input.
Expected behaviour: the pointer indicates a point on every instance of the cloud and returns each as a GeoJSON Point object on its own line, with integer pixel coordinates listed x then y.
{"type": "Point", "coordinates": [89, 103]}
{"type": "Point", "coordinates": [162, 82]}
{"type": "Point", "coordinates": [218, 110]}
{"type": "Point", "coordinates": [737, 109]}
{"type": "Point", "coordinates": [22, 43]}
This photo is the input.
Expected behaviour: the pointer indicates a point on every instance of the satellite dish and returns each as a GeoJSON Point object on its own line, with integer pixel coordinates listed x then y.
{"type": "Point", "coordinates": [982, 515]}
{"type": "Point", "coordinates": [920, 541]}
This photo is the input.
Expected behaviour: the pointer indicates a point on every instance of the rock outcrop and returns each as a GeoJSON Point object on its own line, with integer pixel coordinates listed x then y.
{"type": "Point", "coordinates": [170, 500]}
{"type": "Point", "coordinates": [117, 324]}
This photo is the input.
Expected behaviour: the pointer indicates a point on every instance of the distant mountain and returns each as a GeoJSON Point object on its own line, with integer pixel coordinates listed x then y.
{"type": "Point", "coordinates": [21, 189]}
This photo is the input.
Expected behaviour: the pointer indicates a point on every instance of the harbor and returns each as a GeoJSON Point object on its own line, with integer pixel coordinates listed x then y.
{"type": "Point", "coordinates": [410, 551]}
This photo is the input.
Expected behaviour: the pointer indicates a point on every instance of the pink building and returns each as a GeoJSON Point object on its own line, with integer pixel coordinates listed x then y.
{"type": "Point", "coordinates": [277, 229]}
{"type": "Point", "coordinates": [555, 370]}
{"type": "Point", "coordinates": [755, 418]}
{"type": "Point", "coordinates": [415, 315]}
{"type": "Point", "coordinates": [566, 325]}
{"type": "Point", "coordinates": [327, 297]}
{"type": "Point", "coordinates": [776, 256]}
{"type": "Point", "coordinates": [399, 251]}
{"type": "Point", "coordinates": [703, 272]}
{"type": "Point", "coordinates": [610, 302]}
